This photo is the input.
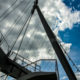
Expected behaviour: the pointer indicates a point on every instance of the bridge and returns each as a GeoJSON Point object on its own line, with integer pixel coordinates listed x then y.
{"type": "Point", "coordinates": [23, 69]}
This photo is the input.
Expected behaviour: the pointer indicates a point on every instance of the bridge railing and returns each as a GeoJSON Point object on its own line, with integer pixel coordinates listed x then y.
{"type": "Point", "coordinates": [46, 65]}
{"type": "Point", "coordinates": [42, 65]}
{"type": "Point", "coordinates": [25, 62]}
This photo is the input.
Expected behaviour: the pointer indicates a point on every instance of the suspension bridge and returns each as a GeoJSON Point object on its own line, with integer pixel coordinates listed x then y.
{"type": "Point", "coordinates": [18, 67]}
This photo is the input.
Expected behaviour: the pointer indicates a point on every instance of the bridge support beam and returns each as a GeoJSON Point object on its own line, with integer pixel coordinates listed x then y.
{"type": "Point", "coordinates": [10, 67]}
{"type": "Point", "coordinates": [55, 45]}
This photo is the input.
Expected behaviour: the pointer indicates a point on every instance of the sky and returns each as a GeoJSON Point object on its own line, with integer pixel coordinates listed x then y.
{"type": "Point", "coordinates": [72, 35]}
{"type": "Point", "coordinates": [63, 16]}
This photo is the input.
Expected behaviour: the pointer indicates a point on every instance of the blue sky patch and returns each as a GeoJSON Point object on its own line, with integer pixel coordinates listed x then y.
{"type": "Point", "coordinates": [74, 4]}
{"type": "Point", "coordinates": [72, 36]}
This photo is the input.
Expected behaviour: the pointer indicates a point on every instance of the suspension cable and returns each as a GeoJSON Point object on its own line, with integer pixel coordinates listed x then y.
{"type": "Point", "coordinates": [8, 8]}
{"type": "Point", "coordinates": [2, 75]}
{"type": "Point", "coordinates": [69, 57]}
{"type": "Point", "coordinates": [4, 39]}
{"type": "Point", "coordinates": [17, 37]}
{"type": "Point", "coordinates": [6, 77]}
{"type": "Point", "coordinates": [10, 11]}
{"type": "Point", "coordinates": [23, 35]}
{"type": "Point", "coordinates": [21, 29]}
{"type": "Point", "coordinates": [31, 42]}
{"type": "Point", "coordinates": [10, 30]}
{"type": "Point", "coordinates": [31, 35]}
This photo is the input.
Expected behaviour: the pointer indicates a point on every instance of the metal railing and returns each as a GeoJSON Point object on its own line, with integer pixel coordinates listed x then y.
{"type": "Point", "coordinates": [25, 62]}
{"type": "Point", "coordinates": [41, 65]}
{"type": "Point", "coordinates": [49, 67]}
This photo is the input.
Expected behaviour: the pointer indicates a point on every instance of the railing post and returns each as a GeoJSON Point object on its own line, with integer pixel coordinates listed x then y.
{"type": "Point", "coordinates": [35, 67]}
{"type": "Point", "coordinates": [57, 71]}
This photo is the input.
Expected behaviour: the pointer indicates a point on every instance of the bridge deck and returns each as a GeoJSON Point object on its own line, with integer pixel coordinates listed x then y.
{"type": "Point", "coordinates": [16, 71]}
{"type": "Point", "coordinates": [10, 67]}
{"type": "Point", "coordinates": [40, 76]}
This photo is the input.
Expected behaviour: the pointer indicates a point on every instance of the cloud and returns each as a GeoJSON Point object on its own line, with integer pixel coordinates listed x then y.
{"type": "Point", "coordinates": [78, 75]}
{"type": "Point", "coordinates": [78, 66]}
{"type": "Point", "coordinates": [36, 42]}
{"type": "Point", "coordinates": [3, 76]}
{"type": "Point", "coordinates": [57, 13]}
{"type": "Point", "coordinates": [64, 78]}
{"type": "Point", "coordinates": [66, 46]}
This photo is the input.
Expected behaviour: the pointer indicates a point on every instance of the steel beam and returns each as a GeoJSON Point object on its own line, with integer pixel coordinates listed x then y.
{"type": "Point", "coordinates": [55, 45]}
{"type": "Point", "coordinates": [10, 67]}
{"type": "Point", "coordinates": [40, 76]}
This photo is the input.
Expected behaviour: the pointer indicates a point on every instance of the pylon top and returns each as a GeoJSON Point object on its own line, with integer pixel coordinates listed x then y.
{"type": "Point", "coordinates": [36, 2]}
{"type": "Point", "coordinates": [34, 6]}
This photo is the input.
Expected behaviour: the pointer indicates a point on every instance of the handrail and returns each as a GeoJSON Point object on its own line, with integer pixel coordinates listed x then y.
{"type": "Point", "coordinates": [56, 65]}
{"type": "Point", "coordinates": [35, 67]}
{"type": "Point", "coordinates": [42, 59]}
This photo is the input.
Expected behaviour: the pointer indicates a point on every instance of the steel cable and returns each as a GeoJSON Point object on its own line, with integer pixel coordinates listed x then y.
{"type": "Point", "coordinates": [15, 22]}
{"type": "Point", "coordinates": [12, 11]}
{"type": "Point", "coordinates": [18, 35]}
{"type": "Point", "coordinates": [8, 9]}
{"type": "Point", "coordinates": [24, 34]}
{"type": "Point", "coordinates": [68, 56]}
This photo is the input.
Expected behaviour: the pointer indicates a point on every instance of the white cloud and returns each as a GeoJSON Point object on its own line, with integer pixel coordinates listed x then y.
{"type": "Point", "coordinates": [58, 16]}
{"type": "Point", "coordinates": [78, 75]}
{"type": "Point", "coordinates": [36, 44]}
{"type": "Point", "coordinates": [64, 78]}
{"type": "Point", "coordinates": [56, 12]}
{"type": "Point", "coordinates": [3, 76]}
{"type": "Point", "coordinates": [66, 46]}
